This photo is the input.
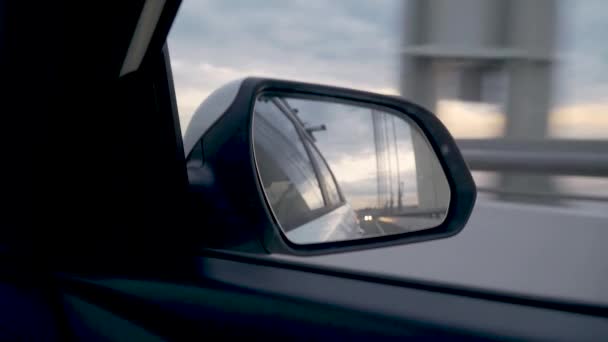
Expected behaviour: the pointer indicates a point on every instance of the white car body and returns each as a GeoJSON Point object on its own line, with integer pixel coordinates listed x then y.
{"type": "Point", "coordinates": [338, 224]}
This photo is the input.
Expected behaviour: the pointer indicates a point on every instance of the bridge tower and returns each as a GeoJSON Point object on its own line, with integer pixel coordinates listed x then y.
{"type": "Point", "coordinates": [492, 51]}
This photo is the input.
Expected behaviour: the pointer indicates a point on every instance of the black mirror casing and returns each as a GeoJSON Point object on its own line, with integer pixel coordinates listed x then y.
{"type": "Point", "coordinates": [227, 189]}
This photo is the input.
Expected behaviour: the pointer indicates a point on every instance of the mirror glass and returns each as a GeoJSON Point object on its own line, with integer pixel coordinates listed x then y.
{"type": "Point", "coordinates": [333, 170]}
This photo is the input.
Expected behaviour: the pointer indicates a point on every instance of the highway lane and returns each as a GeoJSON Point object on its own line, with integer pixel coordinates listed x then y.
{"type": "Point", "coordinates": [371, 228]}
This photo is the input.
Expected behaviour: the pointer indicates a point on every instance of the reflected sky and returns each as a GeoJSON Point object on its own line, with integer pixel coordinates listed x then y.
{"type": "Point", "coordinates": [349, 148]}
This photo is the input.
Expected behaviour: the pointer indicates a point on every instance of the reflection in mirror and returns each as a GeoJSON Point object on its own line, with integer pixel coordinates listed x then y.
{"type": "Point", "coordinates": [334, 170]}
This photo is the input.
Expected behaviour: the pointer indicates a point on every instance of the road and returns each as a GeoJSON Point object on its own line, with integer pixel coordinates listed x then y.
{"type": "Point", "coordinates": [397, 224]}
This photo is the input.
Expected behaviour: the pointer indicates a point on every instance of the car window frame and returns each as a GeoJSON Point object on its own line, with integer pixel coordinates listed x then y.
{"type": "Point", "coordinates": [309, 145]}
{"type": "Point", "coordinates": [315, 150]}
{"type": "Point", "coordinates": [310, 176]}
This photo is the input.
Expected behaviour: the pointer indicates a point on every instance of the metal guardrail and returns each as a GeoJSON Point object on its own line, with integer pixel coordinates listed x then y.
{"type": "Point", "coordinates": [549, 156]}
{"type": "Point", "coordinates": [543, 195]}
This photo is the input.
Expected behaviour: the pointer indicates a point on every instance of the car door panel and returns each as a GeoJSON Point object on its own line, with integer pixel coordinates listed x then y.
{"type": "Point", "coordinates": [241, 296]}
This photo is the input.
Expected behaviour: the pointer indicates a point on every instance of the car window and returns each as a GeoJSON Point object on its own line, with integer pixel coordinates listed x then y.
{"type": "Point", "coordinates": [288, 177]}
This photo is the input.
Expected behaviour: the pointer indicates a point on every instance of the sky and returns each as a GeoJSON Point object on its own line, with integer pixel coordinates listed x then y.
{"type": "Point", "coordinates": [354, 43]}
{"type": "Point", "coordinates": [348, 43]}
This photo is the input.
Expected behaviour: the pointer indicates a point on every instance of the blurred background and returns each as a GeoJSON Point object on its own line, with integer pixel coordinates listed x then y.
{"type": "Point", "coordinates": [522, 85]}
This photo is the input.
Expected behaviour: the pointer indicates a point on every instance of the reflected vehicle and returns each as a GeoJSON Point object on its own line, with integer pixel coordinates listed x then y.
{"type": "Point", "coordinates": [299, 185]}
{"type": "Point", "coordinates": [326, 183]}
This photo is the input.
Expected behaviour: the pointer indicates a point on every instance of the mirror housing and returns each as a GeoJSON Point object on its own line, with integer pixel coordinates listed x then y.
{"type": "Point", "coordinates": [228, 201]}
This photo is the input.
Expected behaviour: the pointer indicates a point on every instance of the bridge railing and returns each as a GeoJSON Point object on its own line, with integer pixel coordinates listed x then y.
{"type": "Point", "coordinates": [549, 156]}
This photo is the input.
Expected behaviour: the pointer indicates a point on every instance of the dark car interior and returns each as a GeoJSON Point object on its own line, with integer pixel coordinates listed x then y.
{"type": "Point", "coordinates": [99, 241]}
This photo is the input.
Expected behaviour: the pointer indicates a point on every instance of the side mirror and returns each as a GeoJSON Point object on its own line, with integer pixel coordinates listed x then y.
{"type": "Point", "coordinates": [295, 168]}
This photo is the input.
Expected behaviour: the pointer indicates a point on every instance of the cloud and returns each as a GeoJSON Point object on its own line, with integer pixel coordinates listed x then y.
{"type": "Point", "coordinates": [471, 120]}
{"type": "Point", "coordinates": [349, 43]}
{"type": "Point", "coordinates": [586, 121]}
